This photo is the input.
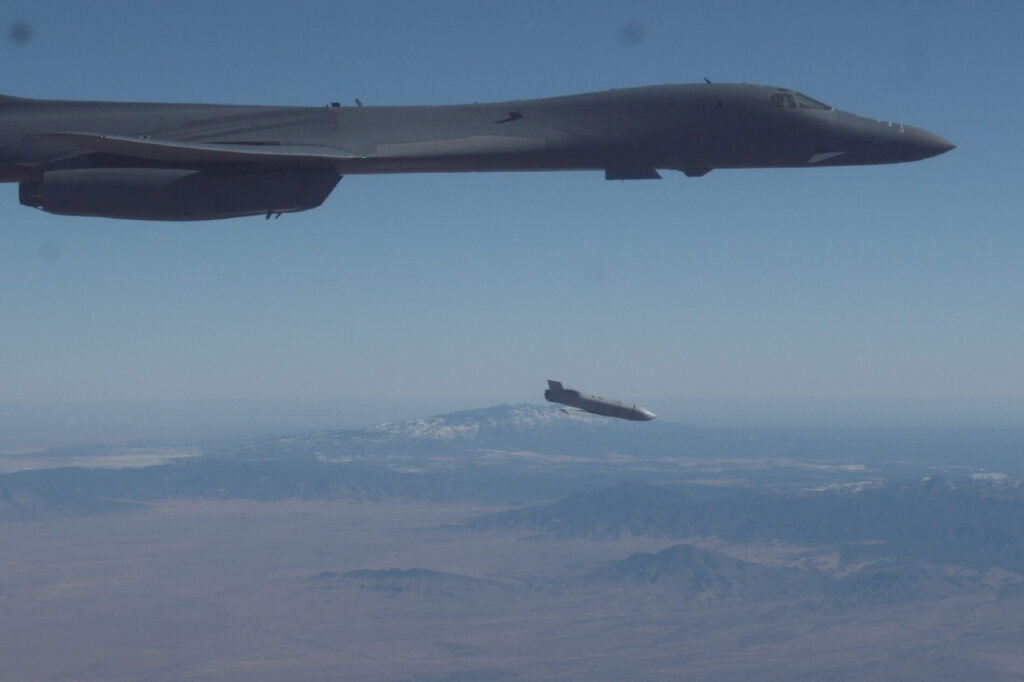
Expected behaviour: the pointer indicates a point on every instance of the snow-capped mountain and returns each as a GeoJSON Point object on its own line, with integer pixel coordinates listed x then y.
{"type": "Point", "coordinates": [523, 427]}
{"type": "Point", "coordinates": [474, 424]}
{"type": "Point", "coordinates": [824, 459]}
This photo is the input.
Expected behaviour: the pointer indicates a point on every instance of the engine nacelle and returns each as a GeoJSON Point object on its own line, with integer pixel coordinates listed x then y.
{"type": "Point", "coordinates": [175, 194]}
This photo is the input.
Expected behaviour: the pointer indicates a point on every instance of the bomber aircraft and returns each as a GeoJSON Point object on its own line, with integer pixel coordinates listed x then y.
{"type": "Point", "coordinates": [207, 161]}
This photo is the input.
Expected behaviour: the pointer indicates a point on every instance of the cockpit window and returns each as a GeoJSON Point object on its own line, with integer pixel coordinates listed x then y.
{"type": "Point", "coordinates": [806, 102]}
{"type": "Point", "coordinates": [784, 100]}
{"type": "Point", "coordinates": [795, 100]}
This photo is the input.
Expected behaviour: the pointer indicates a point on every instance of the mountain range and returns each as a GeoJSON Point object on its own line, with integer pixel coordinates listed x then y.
{"type": "Point", "coordinates": [970, 522]}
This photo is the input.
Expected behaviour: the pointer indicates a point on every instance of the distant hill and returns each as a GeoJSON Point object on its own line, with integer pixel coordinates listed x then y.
{"type": "Point", "coordinates": [694, 573]}
{"type": "Point", "coordinates": [688, 573]}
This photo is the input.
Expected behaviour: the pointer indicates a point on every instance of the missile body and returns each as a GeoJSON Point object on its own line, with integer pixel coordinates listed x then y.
{"type": "Point", "coordinates": [556, 393]}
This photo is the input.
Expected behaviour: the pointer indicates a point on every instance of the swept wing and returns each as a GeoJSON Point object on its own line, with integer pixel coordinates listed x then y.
{"type": "Point", "coordinates": [171, 151]}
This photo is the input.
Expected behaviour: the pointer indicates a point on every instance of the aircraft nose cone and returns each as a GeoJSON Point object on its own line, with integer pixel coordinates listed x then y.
{"type": "Point", "coordinates": [920, 144]}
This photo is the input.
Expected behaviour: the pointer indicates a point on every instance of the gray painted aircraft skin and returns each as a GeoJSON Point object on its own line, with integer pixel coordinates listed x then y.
{"type": "Point", "coordinates": [201, 161]}
{"type": "Point", "coordinates": [556, 393]}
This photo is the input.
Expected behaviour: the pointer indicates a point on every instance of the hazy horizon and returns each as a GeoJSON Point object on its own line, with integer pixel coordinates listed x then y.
{"type": "Point", "coordinates": [36, 426]}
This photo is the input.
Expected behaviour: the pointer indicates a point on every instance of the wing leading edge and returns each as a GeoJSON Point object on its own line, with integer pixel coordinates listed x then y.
{"type": "Point", "coordinates": [168, 151]}
{"type": "Point", "coordinates": [441, 154]}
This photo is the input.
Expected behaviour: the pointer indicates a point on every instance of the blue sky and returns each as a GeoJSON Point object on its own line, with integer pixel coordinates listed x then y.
{"type": "Point", "coordinates": [891, 285]}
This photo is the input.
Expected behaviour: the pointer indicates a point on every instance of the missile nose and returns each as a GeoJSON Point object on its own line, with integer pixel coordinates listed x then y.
{"type": "Point", "coordinates": [921, 144]}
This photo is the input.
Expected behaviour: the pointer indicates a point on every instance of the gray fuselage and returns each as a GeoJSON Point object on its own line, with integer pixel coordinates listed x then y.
{"type": "Point", "coordinates": [701, 126]}
{"type": "Point", "coordinates": [197, 161]}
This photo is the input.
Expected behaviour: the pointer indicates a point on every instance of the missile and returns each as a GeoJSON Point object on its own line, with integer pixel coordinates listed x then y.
{"type": "Point", "coordinates": [556, 393]}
